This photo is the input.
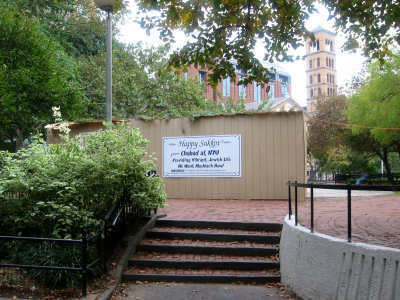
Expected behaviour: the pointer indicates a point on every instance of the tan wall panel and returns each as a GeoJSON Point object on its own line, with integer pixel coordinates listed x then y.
{"type": "Point", "coordinates": [273, 152]}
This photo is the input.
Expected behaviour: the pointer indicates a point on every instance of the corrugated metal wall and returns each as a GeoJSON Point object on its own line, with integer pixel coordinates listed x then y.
{"type": "Point", "coordinates": [273, 152]}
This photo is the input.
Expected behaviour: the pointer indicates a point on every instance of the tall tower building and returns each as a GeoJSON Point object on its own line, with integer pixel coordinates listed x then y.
{"type": "Point", "coordinates": [321, 72]}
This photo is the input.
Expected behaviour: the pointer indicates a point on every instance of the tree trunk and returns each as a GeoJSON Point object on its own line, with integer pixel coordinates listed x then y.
{"type": "Point", "coordinates": [383, 155]}
{"type": "Point", "coordinates": [19, 143]}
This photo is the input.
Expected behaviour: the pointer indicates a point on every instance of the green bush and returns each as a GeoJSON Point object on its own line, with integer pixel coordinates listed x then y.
{"type": "Point", "coordinates": [57, 190]}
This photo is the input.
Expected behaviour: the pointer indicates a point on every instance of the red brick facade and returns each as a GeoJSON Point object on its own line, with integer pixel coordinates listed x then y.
{"type": "Point", "coordinates": [210, 93]}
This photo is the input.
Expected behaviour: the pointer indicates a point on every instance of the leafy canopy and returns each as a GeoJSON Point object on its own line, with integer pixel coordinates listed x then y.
{"type": "Point", "coordinates": [143, 88]}
{"type": "Point", "coordinates": [58, 189]}
{"type": "Point", "coordinates": [377, 103]}
{"type": "Point", "coordinates": [224, 30]}
{"type": "Point", "coordinates": [35, 75]}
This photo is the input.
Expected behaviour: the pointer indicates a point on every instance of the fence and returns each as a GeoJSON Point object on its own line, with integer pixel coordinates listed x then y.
{"type": "Point", "coordinates": [117, 221]}
{"type": "Point", "coordinates": [372, 178]}
{"type": "Point", "coordinates": [273, 150]}
{"type": "Point", "coordinates": [84, 262]}
{"type": "Point", "coordinates": [348, 187]}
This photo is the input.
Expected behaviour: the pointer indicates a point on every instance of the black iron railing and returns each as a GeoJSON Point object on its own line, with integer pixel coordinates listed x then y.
{"type": "Point", "coordinates": [348, 187]}
{"type": "Point", "coordinates": [83, 242]}
{"type": "Point", "coordinates": [118, 220]}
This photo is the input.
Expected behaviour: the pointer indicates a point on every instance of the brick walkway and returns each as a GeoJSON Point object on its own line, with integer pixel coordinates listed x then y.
{"type": "Point", "coordinates": [376, 219]}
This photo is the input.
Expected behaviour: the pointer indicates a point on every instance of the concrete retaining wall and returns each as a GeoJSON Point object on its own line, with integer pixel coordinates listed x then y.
{"type": "Point", "coordinates": [317, 266]}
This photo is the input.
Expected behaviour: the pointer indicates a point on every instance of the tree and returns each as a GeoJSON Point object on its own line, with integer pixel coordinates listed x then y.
{"type": "Point", "coordinates": [143, 88]}
{"type": "Point", "coordinates": [373, 24]}
{"type": "Point", "coordinates": [376, 104]}
{"type": "Point", "coordinates": [374, 109]}
{"type": "Point", "coordinates": [75, 24]}
{"type": "Point", "coordinates": [223, 31]}
{"type": "Point", "coordinates": [331, 144]}
{"type": "Point", "coordinates": [35, 75]}
{"type": "Point", "coordinates": [227, 30]}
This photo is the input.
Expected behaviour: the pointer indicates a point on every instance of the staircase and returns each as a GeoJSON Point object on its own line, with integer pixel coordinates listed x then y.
{"type": "Point", "coordinates": [207, 251]}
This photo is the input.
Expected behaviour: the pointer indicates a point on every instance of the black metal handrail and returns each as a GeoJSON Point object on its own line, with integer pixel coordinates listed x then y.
{"type": "Point", "coordinates": [84, 263]}
{"type": "Point", "coordinates": [348, 187]}
{"type": "Point", "coordinates": [117, 221]}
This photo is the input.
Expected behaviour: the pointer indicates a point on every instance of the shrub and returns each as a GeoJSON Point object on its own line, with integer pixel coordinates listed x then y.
{"type": "Point", "coordinates": [59, 189]}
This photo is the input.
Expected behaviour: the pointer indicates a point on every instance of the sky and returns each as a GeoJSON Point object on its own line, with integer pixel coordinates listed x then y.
{"type": "Point", "coordinates": [347, 64]}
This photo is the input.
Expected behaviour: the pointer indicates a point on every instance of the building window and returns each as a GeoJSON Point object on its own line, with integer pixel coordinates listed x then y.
{"type": "Point", "coordinates": [328, 45]}
{"type": "Point", "coordinates": [311, 93]}
{"type": "Point", "coordinates": [226, 87]}
{"type": "Point", "coordinates": [311, 79]}
{"type": "Point", "coordinates": [333, 78]}
{"type": "Point", "coordinates": [310, 63]}
{"type": "Point", "coordinates": [285, 90]}
{"type": "Point", "coordinates": [319, 91]}
{"type": "Point", "coordinates": [327, 62]}
{"type": "Point", "coordinates": [318, 62]}
{"type": "Point", "coordinates": [314, 46]}
{"type": "Point", "coordinates": [271, 93]}
{"type": "Point", "coordinates": [319, 78]}
{"type": "Point", "coordinates": [257, 92]}
{"type": "Point", "coordinates": [327, 77]}
{"type": "Point", "coordinates": [202, 77]}
{"type": "Point", "coordinates": [332, 63]}
{"type": "Point", "coordinates": [242, 89]}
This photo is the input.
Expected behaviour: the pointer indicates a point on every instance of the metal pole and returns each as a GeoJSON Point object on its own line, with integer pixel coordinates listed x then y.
{"type": "Point", "coordinates": [109, 69]}
{"type": "Point", "coordinates": [290, 203]}
{"type": "Point", "coordinates": [312, 208]}
{"type": "Point", "coordinates": [84, 261]}
{"type": "Point", "coordinates": [349, 215]}
{"type": "Point", "coordinates": [295, 204]}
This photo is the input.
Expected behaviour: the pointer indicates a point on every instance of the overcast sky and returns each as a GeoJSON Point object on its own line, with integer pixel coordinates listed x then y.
{"type": "Point", "coordinates": [348, 64]}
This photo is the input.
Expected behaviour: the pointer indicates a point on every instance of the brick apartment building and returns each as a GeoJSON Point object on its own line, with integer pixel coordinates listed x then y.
{"type": "Point", "coordinates": [280, 86]}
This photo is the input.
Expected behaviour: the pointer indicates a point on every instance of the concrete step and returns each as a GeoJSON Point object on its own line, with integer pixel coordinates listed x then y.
{"type": "Point", "coordinates": [272, 227]}
{"type": "Point", "coordinates": [205, 249]}
{"type": "Point", "coordinates": [153, 276]}
{"type": "Point", "coordinates": [218, 237]}
{"type": "Point", "coordinates": [204, 264]}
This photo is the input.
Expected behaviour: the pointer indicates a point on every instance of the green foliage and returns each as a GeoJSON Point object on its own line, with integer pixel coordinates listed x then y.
{"type": "Point", "coordinates": [143, 88]}
{"type": "Point", "coordinates": [223, 31]}
{"type": "Point", "coordinates": [370, 24]}
{"type": "Point", "coordinates": [333, 146]}
{"type": "Point", "coordinates": [59, 189]}
{"type": "Point", "coordinates": [52, 254]}
{"type": "Point", "coordinates": [75, 24]}
{"type": "Point", "coordinates": [377, 103]}
{"type": "Point", "coordinates": [35, 75]}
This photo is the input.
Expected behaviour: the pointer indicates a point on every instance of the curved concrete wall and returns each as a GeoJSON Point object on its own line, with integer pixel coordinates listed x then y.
{"type": "Point", "coordinates": [317, 266]}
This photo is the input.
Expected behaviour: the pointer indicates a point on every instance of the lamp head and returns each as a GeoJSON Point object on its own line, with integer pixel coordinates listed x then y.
{"type": "Point", "coordinates": [106, 5]}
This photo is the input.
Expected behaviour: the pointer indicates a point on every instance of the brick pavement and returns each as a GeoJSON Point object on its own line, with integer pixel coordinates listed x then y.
{"type": "Point", "coordinates": [376, 219]}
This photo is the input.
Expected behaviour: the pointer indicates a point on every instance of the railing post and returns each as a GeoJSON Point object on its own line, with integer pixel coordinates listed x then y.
{"type": "Point", "coordinates": [99, 253]}
{"type": "Point", "coordinates": [290, 202]}
{"type": "Point", "coordinates": [295, 203]}
{"type": "Point", "coordinates": [349, 214]}
{"type": "Point", "coordinates": [312, 207]}
{"type": "Point", "coordinates": [84, 261]}
{"type": "Point", "coordinates": [105, 246]}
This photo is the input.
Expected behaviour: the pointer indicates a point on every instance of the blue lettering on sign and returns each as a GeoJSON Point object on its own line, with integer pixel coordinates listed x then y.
{"type": "Point", "coordinates": [213, 152]}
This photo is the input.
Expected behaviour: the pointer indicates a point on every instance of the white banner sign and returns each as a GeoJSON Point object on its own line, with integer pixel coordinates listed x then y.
{"type": "Point", "coordinates": [202, 156]}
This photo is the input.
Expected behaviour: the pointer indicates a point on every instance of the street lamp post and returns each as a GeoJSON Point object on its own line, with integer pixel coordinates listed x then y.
{"type": "Point", "coordinates": [108, 7]}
